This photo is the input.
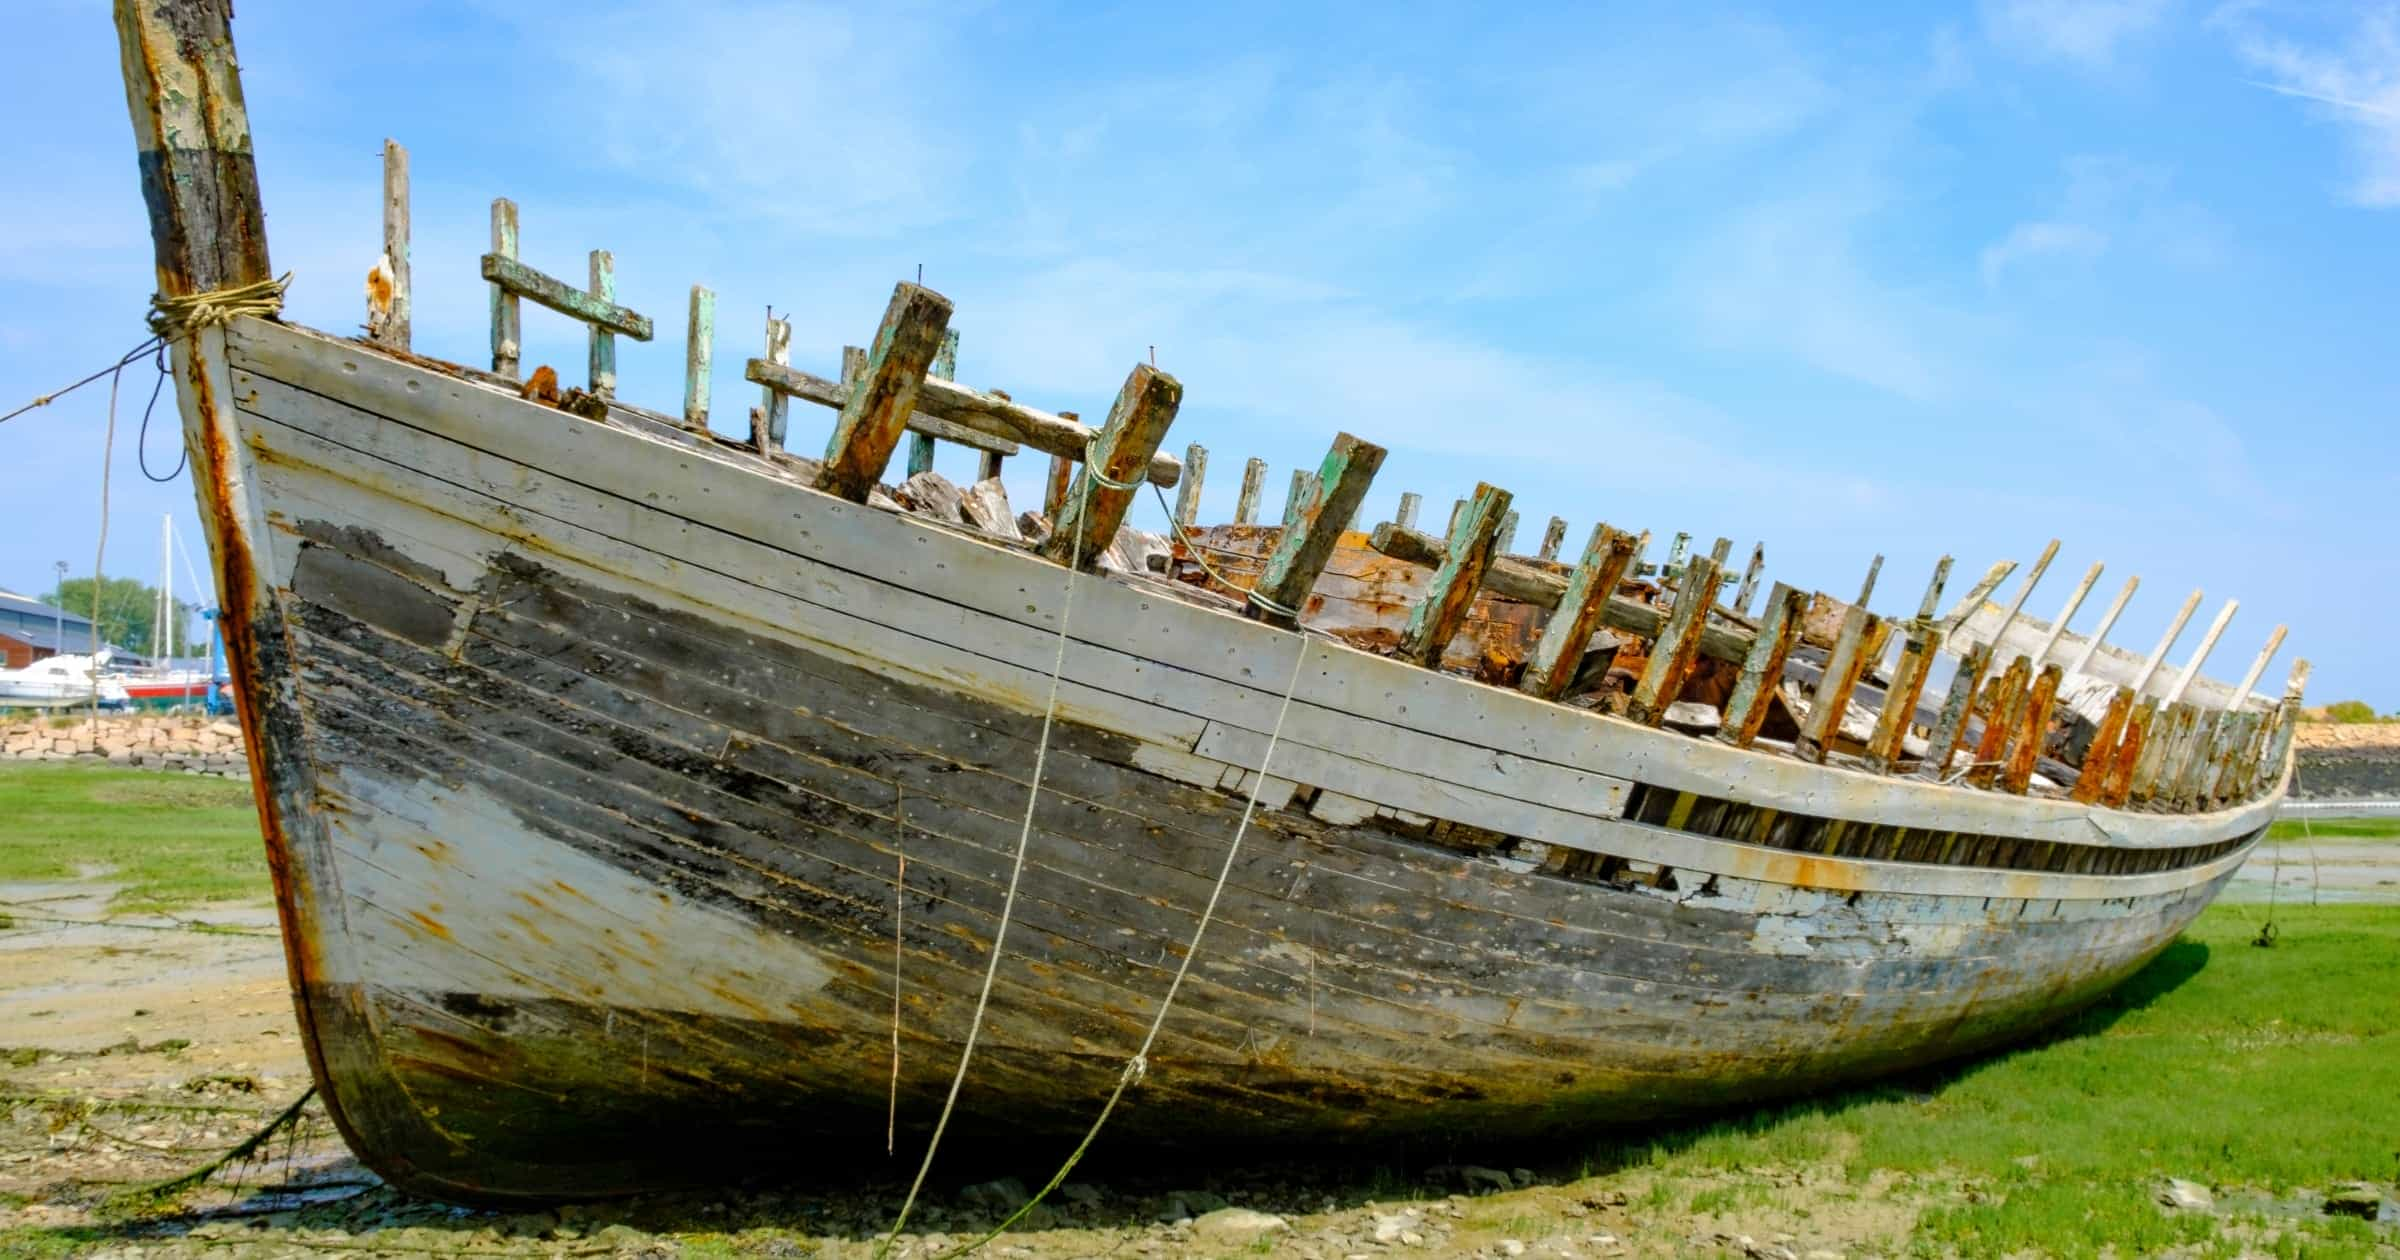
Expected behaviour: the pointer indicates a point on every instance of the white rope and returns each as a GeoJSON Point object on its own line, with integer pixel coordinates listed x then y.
{"type": "Point", "coordinates": [1200, 557]}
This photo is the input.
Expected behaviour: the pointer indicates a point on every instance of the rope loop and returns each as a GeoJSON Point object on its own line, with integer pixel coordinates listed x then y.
{"type": "Point", "coordinates": [1137, 1069]}
{"type": "Point", "coordinates": [1091, 465]}
{"type": "Point", "coordinates": [174, 317]}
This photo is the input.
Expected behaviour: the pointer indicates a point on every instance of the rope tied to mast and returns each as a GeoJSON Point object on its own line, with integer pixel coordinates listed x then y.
{"type": "Point", "coordinates": [175, 317]}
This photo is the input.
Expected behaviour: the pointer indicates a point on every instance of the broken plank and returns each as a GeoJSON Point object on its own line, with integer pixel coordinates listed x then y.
{"type": "Point", "coordinates": [766, 436]}
{"type": "Point", "coordinates": [699, 348]}
{"type": "Point", "coordinates": [1313, 528]}
{"type": "Point", "coordinates": [2031, 733]}
{"type": "Point", "coordinates": [1553, 534]}
{"type": "Point", "coordinates": [507, 312]}
{"type": "Point", "coordinates": [1677, 648]}
{"type": "Point", "coordinates": [1452, 592]}
{"type": "Point", "coordinates": [1762, 666]}
{"type": "Point", "coordinates": [877, 410]}
{"type": "Point", "coordinates": [1120, 454]}
{"type": "Point", "coordinates": [1187, 495]}
{"type": "Point", "coordinates": [1607, 556]}
{"type": "Point", "coordinates": [784, 379]}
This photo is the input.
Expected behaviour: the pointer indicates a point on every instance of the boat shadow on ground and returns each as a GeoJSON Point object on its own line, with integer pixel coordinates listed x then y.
{"type": "Point", "coordinates": [1121, 1188]}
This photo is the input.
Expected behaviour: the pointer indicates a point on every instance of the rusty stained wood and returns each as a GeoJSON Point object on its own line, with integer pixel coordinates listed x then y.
{"type": "Point", "coordinates": [1295, 497]}
{"type": "Point", "coordinates": [1407, 516]}
{"type": "Point", "coordinates": [699, 354]}
{"type": "Point", "coordinates": [1890, 735]}
{"type": "Point", "coordinates": [1055, 484]}
{"type": "Point", "coordinates": [1553, 536]}
{"type": "Point", "coordinates": [2008, 696]}
{"type": "Point", "coordinates": [388, 312]}
{"type": "Point", "coordinates": [1831, 701]}
{"type": "Point", "coordinates": [1314, 526]}
{"type": "Point", "coordinates": [1950, 725]}
{"type": "Point", "coordinates": [945, 367]}
{"type": "Point", "coordinates": [1187, 494]}
{"type": "Point", "coordinates": [1137, 422]}
{"type": "Point", "coordinates": [1748, 590]}
{"type": "Point", "coordinates": [2103, 749]}
{"type": "Point", "coordinates": [2117, 785]}
{"type": "Point", "coordinates": [508, 331]}
{"type": "Point", "coordinates": [774, 411]}
{"type": "Point", "coordinates": [1677, 648]}
{"type": "Point", "coordinates": [1466, 554]}
{"type": "Point", "coordinates": [192, 134]}
{"type": "Point", "coordinates": [1254, 480]}
{"type": "Point", "coordinates": [1607, 557]}
{"type": "Point", "coordinates": [2025, 747]}
{"type": "Point", "coordinates": [877, 411]}
{"type": "Point", "coordinates": [1762, 667]}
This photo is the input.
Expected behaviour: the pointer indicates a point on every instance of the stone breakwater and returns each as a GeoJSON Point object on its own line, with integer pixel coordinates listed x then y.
{"type": "Point", "coordinates": [2347, 761]}
{"type": "Point", "coordinates": [186, 745]}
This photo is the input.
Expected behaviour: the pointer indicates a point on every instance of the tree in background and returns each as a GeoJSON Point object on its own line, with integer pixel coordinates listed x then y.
{"type": "Point", "coordinates": [2350, 711]}
{"type": "Point", "coordinates": [128, 614]}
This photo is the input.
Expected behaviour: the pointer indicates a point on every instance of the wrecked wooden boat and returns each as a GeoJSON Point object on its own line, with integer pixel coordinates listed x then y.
{"type": "Point", "coordinates": [640, 799]}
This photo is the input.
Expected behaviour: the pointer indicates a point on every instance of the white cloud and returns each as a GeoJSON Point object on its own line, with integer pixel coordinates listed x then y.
{"type": "Point", "coordinates": [2086, 32]}
{"type": "Point", "coordinates": [2039, 239]}
{"type": "Point", "coordinates": [2355, 83]}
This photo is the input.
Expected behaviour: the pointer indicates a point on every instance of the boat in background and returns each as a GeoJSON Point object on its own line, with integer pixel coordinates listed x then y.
{"type": "Point", "coordinates": [62, 682]}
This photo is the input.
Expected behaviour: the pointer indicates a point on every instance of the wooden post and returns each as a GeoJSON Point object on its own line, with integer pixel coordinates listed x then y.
{"type": "Point", "coordinates": [1670, 572]}
{"type": "Point", "coordinates": [1677, 646]}
{"type": "Point", "coordinates": [2058, 626]}
{"type": "Point", "coordinates": [1508, 535]}
{"type": "Point", "coordinates": [1436, 618]}
{"type": "Point", "coordinates": [699, 349]}
{"type": "Point", "coordinates": [1749, 587]}
{"type": "Point", "coordinates": [2033, 577]}
{"type": "Point", "coordinates": [507, 310]}
{"type": "Point", "coordinates": [1553, 534]}
{"type": "Point", "coordinates": [1458, 508]}
{"type": "Point", "coordinates": [886, 393]}
{"type": "Point", "coordinates": [2272, 766]}
{"type": "Point", "coordinates": [1187, 494]}
{"type": "Point", "coordinates": [1942, 741]}
{"type": "Point", "coordinates": [1311, 530]}
{"type": "Point", "coordinates": [1908, 677]}
{"type": "Point", "coordinates": [2166, 740]}
{"type": "Point", "coordinates": [1294, 498]}
{"type": "Point", "coordinates": [774, 408]}
{"type": "Point", "coordinates": [2108, 622]}
{"type": "Point", "coordinates": [604, 342]}
{"type": "Point", "coordinates": [184, 93]}
{"type": "Point", "coordinates": [2166, 641]}
{"type": "Point", "coordinates": [854, 365]}
{"type": "Point", "coordinates": [989, 467]}
{"type": "Point", "coordinates": [1409, 502]}
{"type": "Point", "coordinates": [1976, 595]}
{"type": "Point", "coordinates": [2258, 666]}
{"type": "Point", "coordinates": [1762, 670]}
{"type": "Point", "coordinates": [945, 367]}
{"type": "Point", "coordinates": [2007, 710]}
{"type": "Point", "coordinates": [1606, 558]}
{"type": "Point", "coordinates": [1054, 487]}
{"type": "Point", "coordinates": [1832, 699]}
{"type": "Point", "coordinates": [1137, 422]}
{"type": "Point", "coordinates": [1254, 477]}
{"type": "Point", "coordinates": [388, 326]}
{"type": "Point", "coordinates": [2117, 787]}
{"type": "Point", "coordinates": [2103, 749]}
{"type": "Point", "coordinates": [2199, 656]}
{"type": "Point", "coordinates": [2032, 733]}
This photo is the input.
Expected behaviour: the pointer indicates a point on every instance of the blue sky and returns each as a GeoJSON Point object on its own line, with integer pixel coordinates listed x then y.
{"type": "Point", "coordinates": [1902, 279]}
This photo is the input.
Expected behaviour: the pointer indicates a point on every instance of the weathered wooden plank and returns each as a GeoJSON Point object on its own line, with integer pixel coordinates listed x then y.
{"type": "Point", "coordinates": [1506, 541]}
{"type": "Point", "coordinates": [699, 353]}
{"type": "Point", "coordinates": [1677, 648]}
{"type": "Point", "coordinates": [988, 421]}
{"type": "Point", "coordinates": [2174, 723]}
{"type": "Point", "coordinates": [988, 467]}
{"type": "Point", "coordinates": [1187, 494]}
{"type": "Point", "coordinates": [1294, 497]}
{"type": "Point", "coordinates": [1951, 724]}
{"type": "Point", "coordinates": [2058, 625]}
{"type": "Point", "coordinates": [2258, 667]}
{"type": "Point", "coordinates": [877, 411]}
{"type": "Point", "coordinates": [1136, 424]}
{"type": "Point", "coordinates": [519, 280]}
{"type": "Point", "coordinates": [786, 381]}
{"type": "Point", "coordinates": [1553, 534]}
{"type": "Point", "coordinates": [1762, 665]}
{"type": "Point", "coordinates": [1437, 617]}
{"type": "Point", "coordinates": [2008, 696]}
{"type": "Point", "coordinates": [1458, 508]}
{"type": "Point", "coordinates": [2101, 754]}
{"type": "Point", "coordinates": [1254, 477]}
{"type": "Point", "coordinates": [2108, 621]}
{"type": "Point", "coordinates": [1406, 518]}
{"type": "Point", "coordinates": [507, 312]}
{"type": "Point", "coordinates": [1976, 595]}
{"type": "Point", "coordinates": [388, 311]}
{"type": "Point", "coordinates": [774, 412]}
{"type": "Point", "coordinates": [2026, 746]}
{"type": "Point", "coordinates": [2166, 641]}
{"type": "Point", "coordinates": [1750, 575]}
{"type": "Point", "coordinates": [1607, 556]}
{"type": "Point", "coordinates": [1055, 485]}
{"type": "Point", "coordinates": [945, 367]}
{"type": "Point", "coordinates": [1900, 700]}
{"type": "Point", "coordinates": [2117, 787]}
{"type": "Point", "coordinates": [1314, 526]}
{"type": "Point", "coordinates": [1843, 665]}
{"type": "Point", "coordinates": [2199, 656]}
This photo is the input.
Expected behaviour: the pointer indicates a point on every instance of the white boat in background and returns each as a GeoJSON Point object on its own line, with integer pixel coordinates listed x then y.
{"type": "Point", "coordinates": [59, 682]}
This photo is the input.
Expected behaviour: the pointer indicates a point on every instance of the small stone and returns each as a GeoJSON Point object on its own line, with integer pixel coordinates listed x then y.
{"type": "Point", "coordinates": [1477, 1179]}
{"type": "Point", "coordinates": [1389, 1228]}
{"type": "Point", "coordinates": [1511, 1247]}
{"type": "Point", "coordinates": [619, 1235]}
{"type": "Point", "coordinates": [1234, 1224]}
{"type": "Point", "coordinates": [1522, 1176]}
{"type": "Point", "coordinates": [1411, 1238]}
{"type": "Point", "coordinates": [2186, 1196]}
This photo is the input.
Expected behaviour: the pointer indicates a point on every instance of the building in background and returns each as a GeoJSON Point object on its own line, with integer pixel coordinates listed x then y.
{"type": "Point", "coordinates": [31, 630]}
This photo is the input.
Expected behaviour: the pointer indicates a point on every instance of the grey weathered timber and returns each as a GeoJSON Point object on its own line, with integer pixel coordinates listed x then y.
{"type": "Point", "coordinates": [1187, 493]}
{"type": "Point", "coordinates": [192, 135]}
{"type": "Point", "coordinates": [1762, 667]}
{"type": "Point", "coordinates": [945, 367]}
{"type": "Point", "coordinates": [1313, 527]}
{"type": "Point", "coordinates": [508, 334]}
{"type": "Point", "coordinates": [1677, 647]}
{"type": "Point", "coordinates": [2277, 757]}
{"type": "Point", "coordinates": [1907, 687]}
{"type": "Point", "coordinates": [2199, 656]}
{"type": "Point", "coordinates": [602, 342]}
{"type": "Point", "coordinates": [774, 406]}
{"type": "Point", "coordinates": [1553, 536]}
{"type": "Point", "coordinates": [988, 466]}
{"type": "Point", "coordinates": [699, 353]}
{"type": "Point", "coordinates": [2166, 741]}
{"type": "Point", "coordinates": [1451, 593]}
{"type": "Point", "coordinates": [992, 438]}
{"type": "Point", "coordinates": [1136, 424]}
{"type": "Point", "coordinates": [1607, 556]}
{"type": "Point", "coordinates": [518, 280]}
{"type": "Point", "coordinates": [1672, 569]}
{"type": "Point", "coordinates": [1976, 594]}
{"type": "Point", "coordinates": [1722, 552]}
{"type": "Point", "coordinates": [1406, 517]}
{"type": "Point", "coordinates": [2166, 642]}
{"type": "Point", "coordinates": [387, 320]}
{"type": "Point", "coordinates": [877, 411]}
{"type": "Point", "coordinates": [2258, 667]}
{"type": "Point", "coordinates": [2058, 625]}
{"type": "Point", "coordinates": [1458, 508]}
{"type": "Point", "coordinates": [1750, 574]}
{"type": "Point", "coordinates": [1295, 497]}
{"type": "Point", "coordinates": [1849, 656]}
{"type": "Point", "coordinates": [1055, 483]}
{"type": "Point", "coordinates": [2016, 603]}
{"type": "Point", "coordinates": [1254, 477]}
{"type": "Point", "coordinates": [2108, 622]}
{"type": "Point", "coordinates": [1951, 723]}
{"type": "Point", "coordinates": [1506, 541]}
{"type": "Point", "coordinates": [1516, 579]}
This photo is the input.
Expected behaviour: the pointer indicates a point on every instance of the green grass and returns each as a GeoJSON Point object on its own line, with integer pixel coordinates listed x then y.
{"type": "Point", "coordinates": [2275, 1071]}
{"type": "Point", "coordinates": [2335, 829]}
{"type": "Point", "coordinates": [173, 840]}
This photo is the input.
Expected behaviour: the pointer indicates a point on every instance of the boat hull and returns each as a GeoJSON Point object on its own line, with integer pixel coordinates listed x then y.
{"type": "Point", "coordinates": [614, 786]}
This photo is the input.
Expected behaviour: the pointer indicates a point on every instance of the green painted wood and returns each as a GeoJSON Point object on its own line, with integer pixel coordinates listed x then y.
{"type": "Point", "coordinates": [775, 406]}
{"type": "Point", "coordinates": [945, 367]}
{"type": "Point", "coordinates": [507, 312]}
{"type": "Point", "coordinates": [1187, 494]}
{"type": "Point", "coordinates": [1137, 423]}
{"type": "Point", "coordinates": [1315, 524]}
{"type": "Point", "coordinates": [1607, 556]}
{"type": "Point", "coordinates": [1295, 497]}
{"type": "Point", "coordinates": [515, 279]}
{"type": "Point", "coordinates": [603, 343]}
{"type": "Point", "coordinates": [699, 348]}
{"type": "Point", "coordinates": [884, 393]}
{"type": "Point", "coordinates": [1437, 617]}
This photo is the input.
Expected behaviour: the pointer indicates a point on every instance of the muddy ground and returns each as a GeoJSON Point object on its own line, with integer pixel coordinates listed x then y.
{"type": "Point", "coordinates": [135, 1048]}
